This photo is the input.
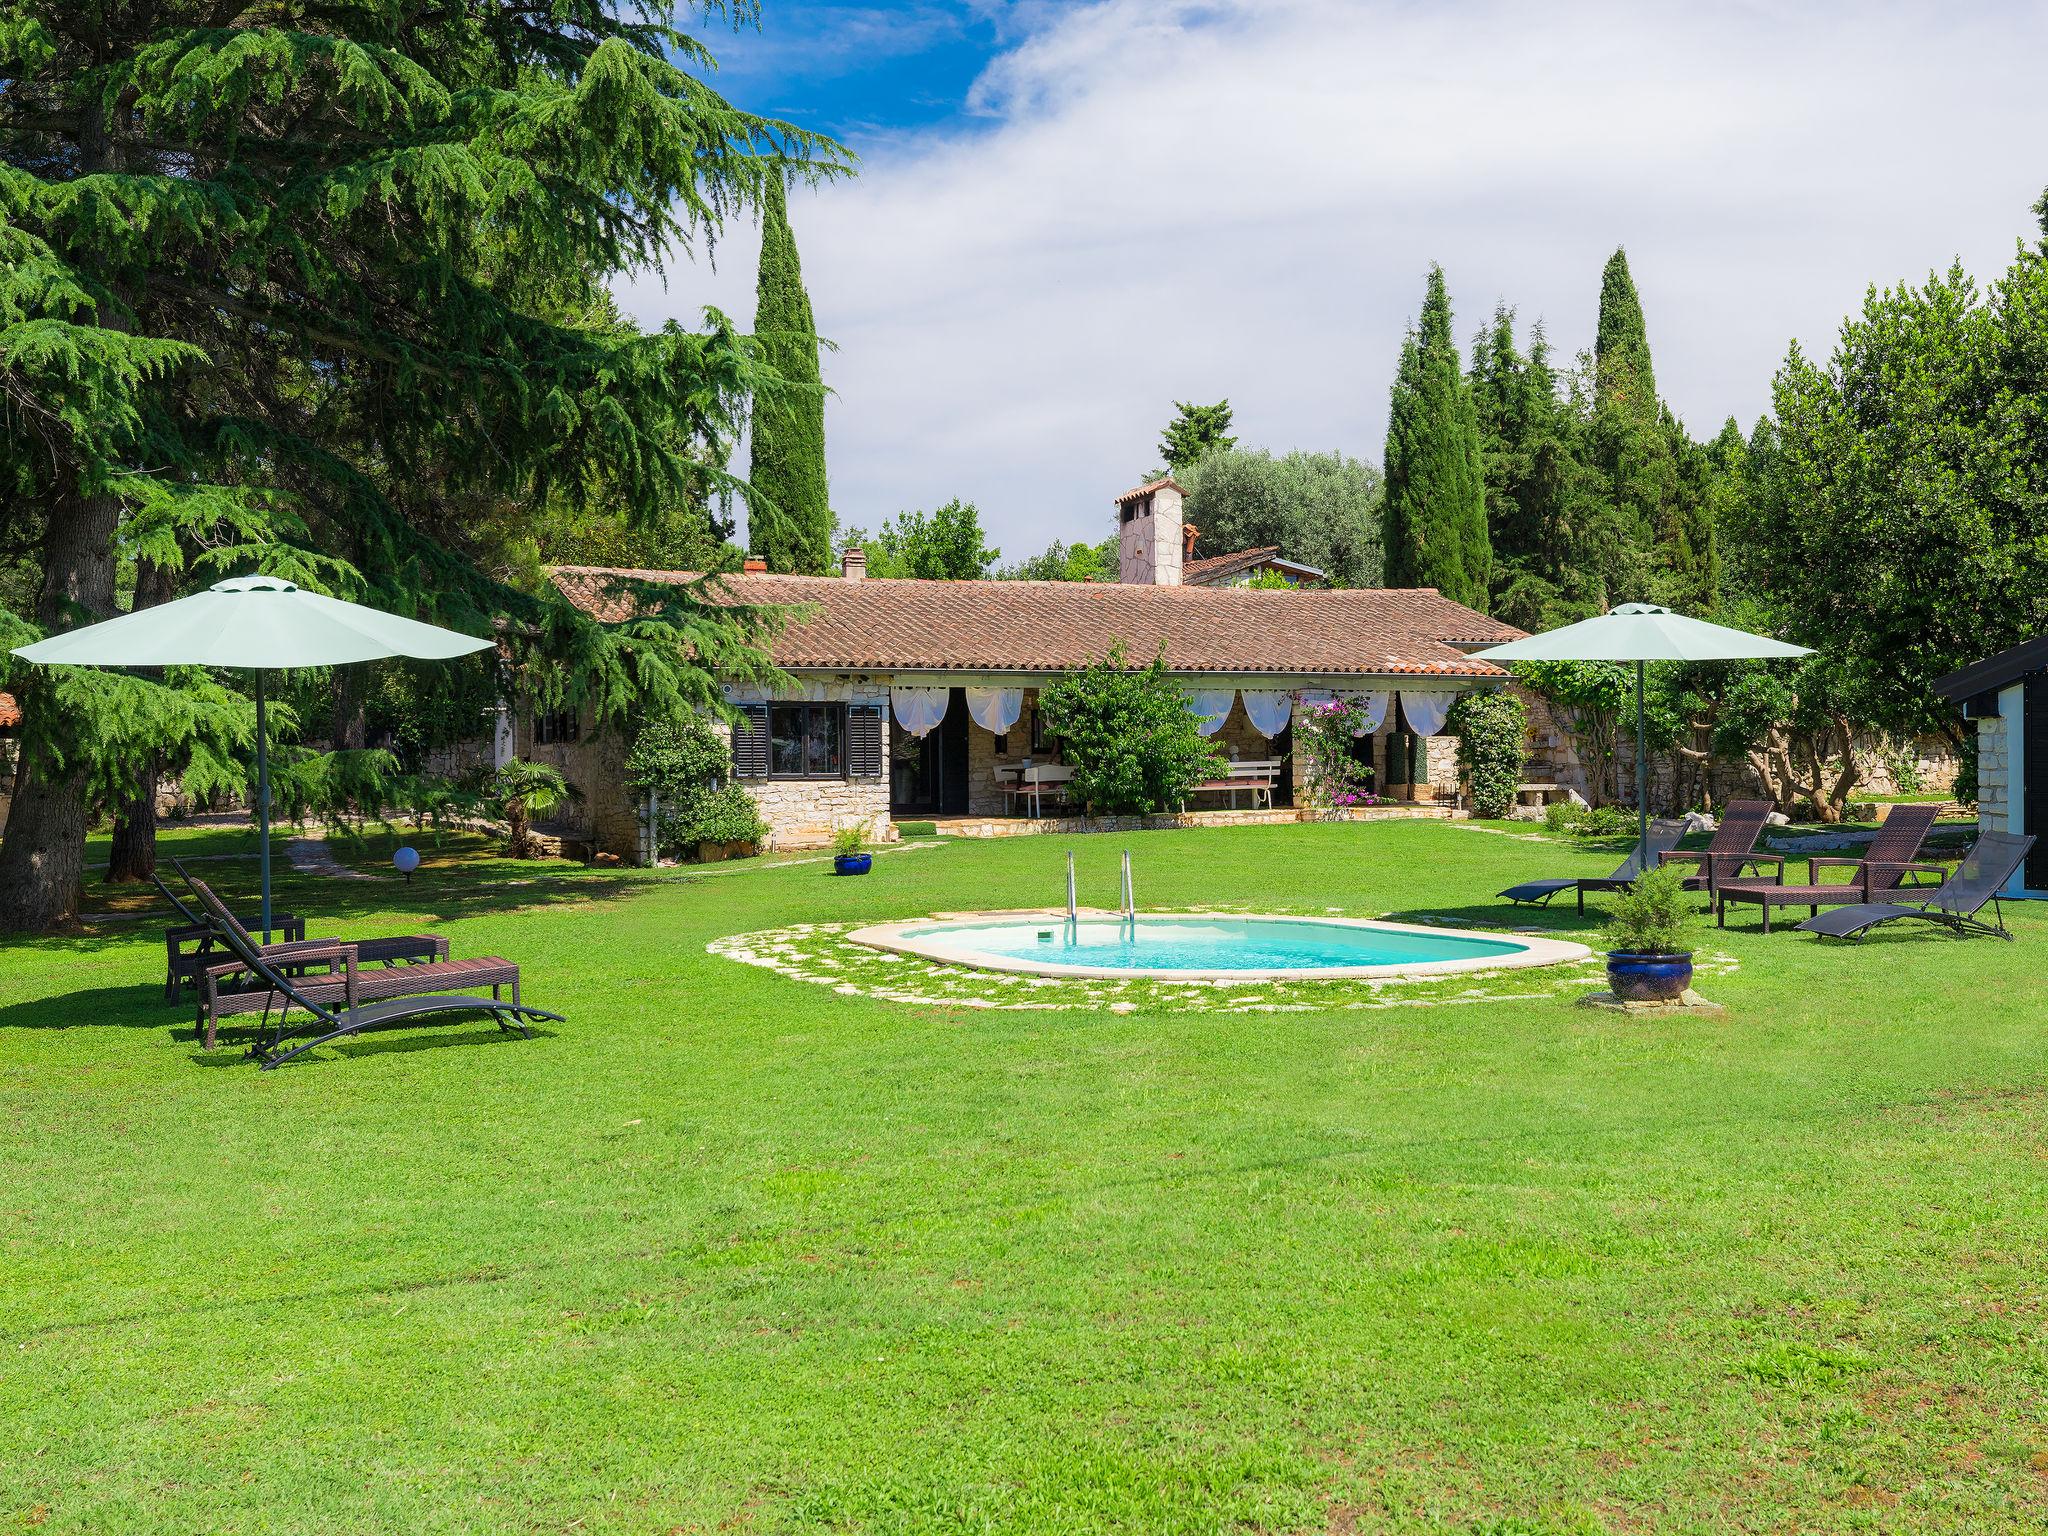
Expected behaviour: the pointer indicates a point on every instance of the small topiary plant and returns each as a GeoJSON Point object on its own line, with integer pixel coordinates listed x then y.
{"type": "Point", "coordinates": [1654, 916]}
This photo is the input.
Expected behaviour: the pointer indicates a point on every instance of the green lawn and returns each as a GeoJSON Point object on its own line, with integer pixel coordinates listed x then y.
{"type": "Point", "coordinates": [729, 1251]}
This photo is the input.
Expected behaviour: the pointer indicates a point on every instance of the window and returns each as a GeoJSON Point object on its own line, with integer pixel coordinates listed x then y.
{"type": "Point", "coordinates": [555, 726]}
{"type": "Point", "coordinates": [807, 741]}
{"type": "Point", "coordinates": [1042, 740]}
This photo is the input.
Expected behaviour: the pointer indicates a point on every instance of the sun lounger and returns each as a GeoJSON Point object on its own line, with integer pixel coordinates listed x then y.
{"type": "Point", "coordinates": [1976, 883]}
{"type": "Point", "coordinates": [1664, 835]}
{"type": "Point", "coordinates": [190, 946]}
{"type": "Point", "coordinates": [1882, 869]}
{"type": "Point", "coordinates": [347, 1000]}
{"type": "Point", "coordinates": [1732, 849]}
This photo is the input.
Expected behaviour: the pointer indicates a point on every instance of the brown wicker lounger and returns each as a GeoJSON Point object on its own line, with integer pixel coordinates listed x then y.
{"type": "Point", "coordinates": [1733, 848]}
{"type": "Point", "coordinates": [364, 999]}
{"type": "Point", "coordinates": [1879, 874]}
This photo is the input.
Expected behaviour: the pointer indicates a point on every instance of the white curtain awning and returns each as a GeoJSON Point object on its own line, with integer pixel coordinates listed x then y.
{"type": "Point", "coordinates": [919, 709]}
{"type": "Point", "coordinates": [1375, 705]}
{"type": "Point", "coordinates": [1211, 706]}
{"type": "Point", "coordinates": [1269, 709]}
{"type": "Point", "coordinates": [995, 710]}
{"type": "Point", "coordinates": [1426, 710]}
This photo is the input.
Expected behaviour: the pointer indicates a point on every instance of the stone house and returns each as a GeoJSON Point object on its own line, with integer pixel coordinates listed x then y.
{"type": "Point", "coordinates": [911, 699]}
{"type": "Point", "coordinates": [2006, 698]}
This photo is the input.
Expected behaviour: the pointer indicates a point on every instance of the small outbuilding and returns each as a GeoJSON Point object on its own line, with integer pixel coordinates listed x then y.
{"type": "Point", "coordinates": [2006, 698]}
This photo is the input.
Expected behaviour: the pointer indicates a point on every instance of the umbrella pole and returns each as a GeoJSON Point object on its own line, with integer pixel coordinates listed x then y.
{"type": "Point", "coordinates": [1642, 774]}
{"type": "Point", "coordinates": [263, 800]}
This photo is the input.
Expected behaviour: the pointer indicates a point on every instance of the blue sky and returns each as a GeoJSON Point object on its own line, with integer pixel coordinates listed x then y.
{"type": "Point", "coordinates": [862, 71]}
{"type": "Point", "coordinates": [1070, 215]}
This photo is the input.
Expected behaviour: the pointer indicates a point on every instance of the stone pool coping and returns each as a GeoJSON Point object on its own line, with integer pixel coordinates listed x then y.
{"type": "Point", "coordinates": [895, 938]}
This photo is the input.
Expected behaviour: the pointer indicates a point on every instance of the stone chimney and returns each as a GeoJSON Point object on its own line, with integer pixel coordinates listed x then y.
{"type": "Point", "coordinates": [1149, 534]}
{"type": "Point", "coordinates": [853, 565]}
{"type": "Point", "coordinates": [754, 565]}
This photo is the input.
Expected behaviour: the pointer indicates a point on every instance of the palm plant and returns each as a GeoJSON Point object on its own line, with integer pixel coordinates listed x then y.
{"type": "Point", "coordinates": [523, 791]}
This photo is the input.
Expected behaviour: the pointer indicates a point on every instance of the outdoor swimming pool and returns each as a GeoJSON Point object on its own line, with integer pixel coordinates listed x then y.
{"type": "Point", "coordinates": [1197, 946]}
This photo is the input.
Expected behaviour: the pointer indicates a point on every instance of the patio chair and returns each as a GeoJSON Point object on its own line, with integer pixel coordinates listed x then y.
{"type": "Point", "coordinates": [1732, 848]}
{"type": "Point", "coordinates": [1976, 883]}
{"type": "Point", "coordinates": [1665, 832]}
{"type": "Point", "coordinates": [1882, 869]}
{"type": "Point", "coordinates": [365, 999]}
{"type": "Point", "coordinates": [189, 946]}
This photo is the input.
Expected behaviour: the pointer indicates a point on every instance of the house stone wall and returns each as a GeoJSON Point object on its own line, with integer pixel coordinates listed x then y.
{"type": "Point", "coordinates": [804, 813]}
{"type": "Point", "coordinates": [1995, 789]}
{"type": "Point", "coordinates": [604, 812]}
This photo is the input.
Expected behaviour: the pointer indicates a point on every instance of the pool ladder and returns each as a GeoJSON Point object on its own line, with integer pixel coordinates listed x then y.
{"type": "Point", "coordinates": [1127, 912]}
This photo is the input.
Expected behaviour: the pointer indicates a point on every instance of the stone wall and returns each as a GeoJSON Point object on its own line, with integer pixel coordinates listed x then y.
{"type": "Point", "coordinates": [1994, 775]}
{"type": "Point", "coordinates": [605, 812]}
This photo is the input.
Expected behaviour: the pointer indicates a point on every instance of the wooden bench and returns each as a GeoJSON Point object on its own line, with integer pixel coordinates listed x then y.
{"type": "Point", "coordinates": [1254, 776]}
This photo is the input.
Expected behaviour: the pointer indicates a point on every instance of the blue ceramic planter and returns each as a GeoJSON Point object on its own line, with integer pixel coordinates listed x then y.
{"type": "Point", "coordinates": [852, 863]}
{"type": "Point", "coordinates": [1648, 978]}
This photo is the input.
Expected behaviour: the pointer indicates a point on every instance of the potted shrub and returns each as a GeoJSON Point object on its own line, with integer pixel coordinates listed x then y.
{"type": "Point", "coordinates": [1649, 958]}
{"type": "Point", "coordinates": [849, 850]}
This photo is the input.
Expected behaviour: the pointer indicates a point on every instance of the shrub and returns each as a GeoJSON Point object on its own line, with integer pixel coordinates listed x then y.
{"type": "Point", "coordinates": [1654, 916]}
{"type": "Point", "coordinates": [1491, 728]}
{"type": "Point", "coordinates": [1966, 772]}
{"type": "Point", "coordinates": [687, 766]}
{"type": "Point", "coordinates": [1323, 736]}
{"type": "Point", "coordinates": [850, 839]}
{"type": "Point", "coordinates": [1128, 735]}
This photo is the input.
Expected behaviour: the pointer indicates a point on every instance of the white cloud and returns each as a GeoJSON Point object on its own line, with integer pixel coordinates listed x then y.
{"type": "Point", "coordinates": [1241, 197]}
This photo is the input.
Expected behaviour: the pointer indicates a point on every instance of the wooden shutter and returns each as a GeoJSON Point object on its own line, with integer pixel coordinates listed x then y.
{"type": "Point", "coordinates": [863, 741]}
{"type": "Point", "coordinates": [750, 743]}
{"type": "Point", "coordinates": [2031, 794]}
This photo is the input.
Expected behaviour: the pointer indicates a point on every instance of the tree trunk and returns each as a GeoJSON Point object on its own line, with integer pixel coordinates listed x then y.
{"type": "Point", "coordinates": [520, 844]}
{"type": "Point", "coordinates": [349, 718]}
{"type": "Point", "coordinates": [132, 858]}
{"type": "Point", "coordinates": [42, 858]}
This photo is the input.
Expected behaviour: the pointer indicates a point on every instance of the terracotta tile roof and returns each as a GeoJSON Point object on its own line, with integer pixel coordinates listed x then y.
{"type": "Point", "coordinates": [1148, 488]}
{"type": "Point", "coordinates": [10, 712]}
{"type": "Point", "coordinates": [1051, 626]}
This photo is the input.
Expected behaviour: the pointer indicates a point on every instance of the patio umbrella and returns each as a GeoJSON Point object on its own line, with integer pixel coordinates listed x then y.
{"type": "Point", "coordinates": [259, 623]}
{"type": "Point", "coordinates": [1642, 633]}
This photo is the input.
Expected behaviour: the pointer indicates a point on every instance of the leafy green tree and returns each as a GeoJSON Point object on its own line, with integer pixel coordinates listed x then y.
{"type": "Point", "coordinates": [1067, 562]}
{"type": "Point", "coordinates": [1895, 516]}
{"type": "Point", "coordinates": [282, 287]}
{"type": "Point", "coordinates": [1194, 431]}
{"type": "Point", "coordinates": [1435, 507]}
{"type": "Point", "coordinates": [945, 545]}
{"type": "Point", "coordinates": [687, 766]}
{"type": "Point", "coordinates": [789, 506]}
{"type": "Point", "coordinates": [1322, 509]}
{"type": "Point", "coordinates": [1129, 736]}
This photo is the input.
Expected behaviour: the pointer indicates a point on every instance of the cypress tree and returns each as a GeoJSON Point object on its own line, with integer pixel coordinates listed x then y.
{"type": "Point", "coordinates": [789, 509]}
{"type": "Point", "coordinates": [1435, 508]}
{"type": "Point", "coordinates": [1532, 477]}
{"type": "Point", "coordinates": [1653, 477]}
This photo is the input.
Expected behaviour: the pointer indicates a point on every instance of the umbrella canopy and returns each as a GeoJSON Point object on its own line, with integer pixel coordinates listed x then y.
{"type": "Point", "coordinates": [1642, 633]}
{"type": "Point", "coordinates": [260, 623]}
{"type": "Point", "coordinates": [250, 621]}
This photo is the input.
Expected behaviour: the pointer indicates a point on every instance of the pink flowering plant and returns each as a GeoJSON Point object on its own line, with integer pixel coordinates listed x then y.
{"type": "Point", "coordinates": [1326, 733]}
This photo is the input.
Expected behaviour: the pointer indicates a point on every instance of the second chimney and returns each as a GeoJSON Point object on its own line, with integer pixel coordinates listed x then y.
{"type": "Point", "coordinates": [1149, 527]}
{"type": "Point", "coordinates": [853, 565]}
{"type": "Point", "coordinates": [754, 565]}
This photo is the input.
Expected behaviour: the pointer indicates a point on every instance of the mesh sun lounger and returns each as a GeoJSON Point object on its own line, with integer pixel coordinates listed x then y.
{"type": "Point", "coordinates": [1976, 884]}
{"type": "Point", "coordinates": [365, 999]}
{"type": "Point", "coordinates": [1882, 870]}
{"type": "Point", "coordinates": [1664, 835]}
{"type": "Point", "coordinates": [1733, 848]}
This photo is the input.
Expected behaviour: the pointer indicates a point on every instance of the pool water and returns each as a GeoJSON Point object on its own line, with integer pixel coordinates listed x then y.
{"type": "Point", "coordinates": [1199, 945]}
